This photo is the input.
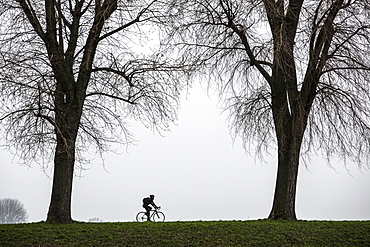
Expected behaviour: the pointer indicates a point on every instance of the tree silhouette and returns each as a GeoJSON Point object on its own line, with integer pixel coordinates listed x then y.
{"type": "Point", "coordinates": [12, 211]}
{"type": "Point", "coordinates": [291, 73]}
{"type": "Point", "coordinates": [71, 76]}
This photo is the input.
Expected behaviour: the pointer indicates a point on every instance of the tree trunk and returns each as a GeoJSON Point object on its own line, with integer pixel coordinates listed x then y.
{"type": "Point", "coordinates": [67, 118]}
{"type": "Point", "coordinates": [286, 183]}
{"type": "Point", "coordinates": [290, 119]}
{"type": "Point", "coordinates": [60, 204]}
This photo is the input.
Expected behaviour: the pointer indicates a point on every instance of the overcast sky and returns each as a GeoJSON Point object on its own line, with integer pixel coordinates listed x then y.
{"type": "Point", "coordinates": [196, 173]}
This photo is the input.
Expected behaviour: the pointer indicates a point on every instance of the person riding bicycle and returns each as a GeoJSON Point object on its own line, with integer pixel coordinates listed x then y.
{"type": "Point", "coordinates": [149, 201]}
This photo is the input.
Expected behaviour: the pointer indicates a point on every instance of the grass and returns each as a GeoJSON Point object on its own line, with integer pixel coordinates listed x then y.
{"type": "Point", "coordinates": [199, 233]}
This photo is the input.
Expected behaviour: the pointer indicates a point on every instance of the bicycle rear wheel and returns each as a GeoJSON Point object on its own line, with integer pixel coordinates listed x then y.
{"type": "Point", "coordinates": [158, 217]}
{"type": "Point", "coordinates": [141, 217]}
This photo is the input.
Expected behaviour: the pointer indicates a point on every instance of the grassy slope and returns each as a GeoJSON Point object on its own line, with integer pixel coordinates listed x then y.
{"type": "Point", "coordinates": [212, 233]}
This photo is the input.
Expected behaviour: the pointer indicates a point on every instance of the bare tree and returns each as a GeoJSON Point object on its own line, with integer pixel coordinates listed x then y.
{"type": "Point", "coordinates": [12, 211]}
{"type": "Point", "coordinates": [72, 73]}
{"type": "Point", "coordinates": [291, 73]}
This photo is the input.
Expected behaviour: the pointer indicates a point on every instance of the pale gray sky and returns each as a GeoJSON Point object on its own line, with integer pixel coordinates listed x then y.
{"type": "Point", "coordinates": [196, 173]}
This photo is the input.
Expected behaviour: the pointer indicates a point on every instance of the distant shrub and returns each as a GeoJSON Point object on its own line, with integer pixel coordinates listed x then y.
{"type": "Point", "coordinates": [95, 219]}
{"type": "Point", "coordinates": [12, 211]}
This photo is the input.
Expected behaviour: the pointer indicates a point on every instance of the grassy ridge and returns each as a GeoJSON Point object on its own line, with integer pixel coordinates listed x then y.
{"type": "Point", "coordinates": [207, 233]}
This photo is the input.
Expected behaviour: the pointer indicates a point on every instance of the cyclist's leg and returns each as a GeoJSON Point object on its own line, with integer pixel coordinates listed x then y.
{"type": "Point", "coordinates": [147, 208]}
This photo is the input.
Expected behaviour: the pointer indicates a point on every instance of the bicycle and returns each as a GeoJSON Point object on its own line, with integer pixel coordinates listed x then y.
{"type": "Point", "coordinates": [155, 216]}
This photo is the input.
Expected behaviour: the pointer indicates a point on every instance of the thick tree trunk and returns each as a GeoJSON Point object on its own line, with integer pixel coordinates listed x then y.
{"type": "Point", "coordinates": [286, 183]}
{"type": "Point", "coordinates": [60, 204]}
{"type": "Point", "coordinates": [67, 118]}
{"type": "Point", "coordinates": [290, 123]}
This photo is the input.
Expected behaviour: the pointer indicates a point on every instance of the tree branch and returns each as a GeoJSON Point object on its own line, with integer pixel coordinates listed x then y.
{"type": "Point", "coordinates": [115, 71]}
{"type": "Point", "coordinates": [111, 96]}
{"type": "Point", "coordinates": [136, 20]}
{"type": "Point", "coordinates": [32, 18]}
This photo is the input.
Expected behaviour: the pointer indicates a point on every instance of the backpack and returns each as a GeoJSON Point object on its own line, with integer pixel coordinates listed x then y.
{"type": "Point", "coordinates": [146, 200]}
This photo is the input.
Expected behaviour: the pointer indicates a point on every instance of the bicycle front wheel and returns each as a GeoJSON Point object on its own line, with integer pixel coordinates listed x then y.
{"type": "Point", "coordinates": [158, 217]}
{"type": "Point", "coordinates": [141, 217]}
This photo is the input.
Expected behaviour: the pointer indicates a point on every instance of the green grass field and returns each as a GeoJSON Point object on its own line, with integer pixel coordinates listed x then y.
{"type": "Point", "coordinates": [199, 233]}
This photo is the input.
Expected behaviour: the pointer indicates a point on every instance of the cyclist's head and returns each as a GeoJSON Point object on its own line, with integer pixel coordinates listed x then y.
{"type": "Point", "coordinates": [151, 196]}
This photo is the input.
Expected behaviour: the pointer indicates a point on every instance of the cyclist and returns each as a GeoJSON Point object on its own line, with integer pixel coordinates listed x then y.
{"type": "Point", "coordinates": [149, 201]}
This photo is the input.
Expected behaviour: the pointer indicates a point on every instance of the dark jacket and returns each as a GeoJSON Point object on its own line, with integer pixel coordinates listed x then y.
{"type": "Point", "coordinates": [148, 201]}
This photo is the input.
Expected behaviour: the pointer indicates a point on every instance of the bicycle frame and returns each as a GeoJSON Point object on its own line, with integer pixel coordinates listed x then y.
{"type": "Point", "coordinates": [154, 212]}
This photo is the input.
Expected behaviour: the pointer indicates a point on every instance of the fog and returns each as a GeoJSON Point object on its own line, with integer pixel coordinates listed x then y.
{"type": "Point", "coordinates": [196, 171]}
